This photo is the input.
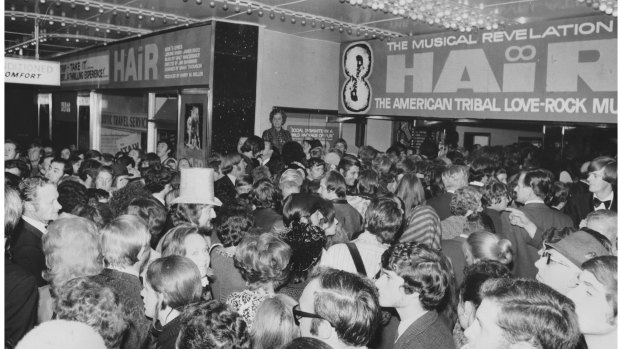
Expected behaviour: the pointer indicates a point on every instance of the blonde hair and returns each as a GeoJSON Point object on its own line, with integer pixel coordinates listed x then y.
{"type": "Point", "coordinates": [274, 325]}
{"type": "Point", "coordinates": [482, 245]}
{"type": "Point", "coordinates": [123, 239]}
{"type": "Point", "coordinates": [71, 247]}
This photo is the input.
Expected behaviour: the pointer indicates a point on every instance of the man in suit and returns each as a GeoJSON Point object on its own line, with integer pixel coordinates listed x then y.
{"type": "Point", "coordinates": [533, 188]}
{"type": "Point", "coordinates": [415, 280]}
{"type": "Point", "coordinates": [602, 182]}
{"type": "Point", "coordinates": [453, 177]}
{"type": "Point", "coordinates": [40, 200]}
{"type": "Point", "coordinates": [232, 167]}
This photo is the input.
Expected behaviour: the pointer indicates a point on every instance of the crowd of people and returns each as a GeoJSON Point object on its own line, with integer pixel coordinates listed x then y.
{"type": "Point", "coordinates": [278, 244]}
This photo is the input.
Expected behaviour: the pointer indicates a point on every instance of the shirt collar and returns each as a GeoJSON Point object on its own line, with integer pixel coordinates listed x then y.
{"type": "Point", "coordinates": [35, 223]}
{"type": "Point", "coordinates": [534, 201]}
{"type": "Point", "coordinates": [232, 178]}
{"type": "Point", "coordinates": [609, 197]}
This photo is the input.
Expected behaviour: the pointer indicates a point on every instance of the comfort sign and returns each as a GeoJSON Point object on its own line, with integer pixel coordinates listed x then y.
{"type": "Point", "coordinates": [31, 72]}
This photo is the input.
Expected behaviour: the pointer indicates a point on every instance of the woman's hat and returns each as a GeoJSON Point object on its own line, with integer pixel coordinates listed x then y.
{"type": "Point", "coordinates": [197, 187]}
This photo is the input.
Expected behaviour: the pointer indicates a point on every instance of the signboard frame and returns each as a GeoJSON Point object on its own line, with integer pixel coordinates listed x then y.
{"type": "Point", "coordinates": [564, 70]}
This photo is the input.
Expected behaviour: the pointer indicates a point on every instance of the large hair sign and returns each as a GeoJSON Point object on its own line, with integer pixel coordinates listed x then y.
{"type": "Point", "coordinates": [564, 70]}
{"type": "Point", "coordinates": [357, 67]}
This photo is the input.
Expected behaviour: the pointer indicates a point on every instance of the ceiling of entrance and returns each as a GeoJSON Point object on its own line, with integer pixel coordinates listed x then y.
{"type": "Point", "coordinates": [68, 25]}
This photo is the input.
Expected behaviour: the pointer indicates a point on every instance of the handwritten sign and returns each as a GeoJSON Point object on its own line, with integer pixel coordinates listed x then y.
{"type": "Point", "coordinates": [127, 143]}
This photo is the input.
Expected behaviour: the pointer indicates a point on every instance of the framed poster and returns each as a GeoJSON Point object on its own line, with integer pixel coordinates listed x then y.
{"type": "Point", "coordinates": [192, 131]}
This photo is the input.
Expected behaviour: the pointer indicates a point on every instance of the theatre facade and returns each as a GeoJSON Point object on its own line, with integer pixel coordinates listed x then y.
{"type": "Point", "coordinates": [203, 85]}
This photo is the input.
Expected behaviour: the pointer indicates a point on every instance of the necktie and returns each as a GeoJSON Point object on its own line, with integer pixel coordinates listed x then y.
{"type": "Point", "coordinates": [598, 202]}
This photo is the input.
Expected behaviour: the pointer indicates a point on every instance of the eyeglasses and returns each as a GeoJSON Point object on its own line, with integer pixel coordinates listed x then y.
{"type": "Point", "coordinates": [547, 254]}
{"type": "Point", "coordinates": [298, 314]}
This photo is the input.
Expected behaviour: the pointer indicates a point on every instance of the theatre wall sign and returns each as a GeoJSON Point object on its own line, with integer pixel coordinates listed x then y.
{"type": "Point", "coordinates": [179, 58]}
{"type": "Point", "coordinates": [31, 72]}
{"type": "Point", "coordinates": [562, 71]}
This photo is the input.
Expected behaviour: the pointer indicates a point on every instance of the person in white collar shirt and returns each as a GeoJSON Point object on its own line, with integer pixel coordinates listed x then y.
{"type": "Point", "coordinates": [602, 182]}
{"type": "Point", "coordinates": [40, 199]}
{"type": "Point", "coordinates": [232, 167]}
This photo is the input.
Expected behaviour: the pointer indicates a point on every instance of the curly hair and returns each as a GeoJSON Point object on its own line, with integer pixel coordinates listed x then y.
{"type": "Point", "coordinates": [214, 325]}
{"type": "Point", "coordinates": [263, 259]}
{"type": "Point", "coordinates": [233, 225]}
{"type": "Point", "coordinates": [71, 247]}
{"type": "Point", "coordinates": [156, 178]}
{"type": "Point", "coordinates": [307, 243]}
{"type": "Point", "coordinates": [455, 176]}
{"type": "Point", "coordinates": [85, 300]}
{"type": "Point", "coordinates": [425, 270]}
{"type": "Point", "coordinates": [122, 197]}
{"type": "Point", "coordinates": [465, 199]}
{"type": "Point", "coordinates": [493, 192]}
{"type": "Point", "coordinates": [275, 111]}
{"type": "Point", "coordinates": [265, 194]}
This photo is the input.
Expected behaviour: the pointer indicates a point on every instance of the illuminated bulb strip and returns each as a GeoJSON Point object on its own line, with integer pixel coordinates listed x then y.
{"type": "Point", "coordinates": [106, 6]}
{"type": "Point", "coordinates": [80, 22]}
{"type": "Point", "coordinates": [449, 14]}
{"type": "Point", "coordinates": [329, 22]}
{"type": "Point", "coordinates": [609, 7]}
{"type": "Point", "coordinates": [44, 38]}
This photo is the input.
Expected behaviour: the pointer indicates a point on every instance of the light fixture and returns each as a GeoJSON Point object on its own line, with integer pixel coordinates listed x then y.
{"type": "Point", "coordinates": [455, 15]}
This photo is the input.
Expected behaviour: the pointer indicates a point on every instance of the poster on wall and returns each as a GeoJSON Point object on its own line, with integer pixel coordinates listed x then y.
{"type": "Point", "coordinates": [563, 70]}
{"type": "Point", "coordinates": [193, 125]}
{"type": "Point", "coordinates": [327, 135]}
{"type": "Point", "coordinates": [177, 58]}
{"type": "Point", "coordinates": [128, 143]}
{"type": "Point", "coordinates": [192, 131]}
